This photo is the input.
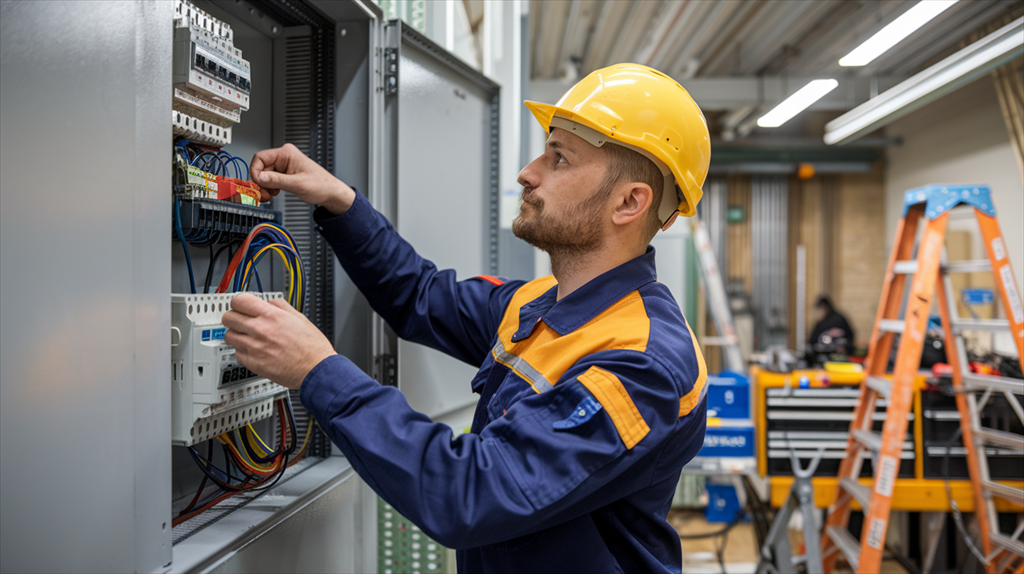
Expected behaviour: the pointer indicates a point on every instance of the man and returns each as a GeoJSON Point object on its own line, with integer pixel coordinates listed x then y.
{"type": "Point", "coordinates": [591, 384]}
{"type": "Point", "coordinates": [832, 334]}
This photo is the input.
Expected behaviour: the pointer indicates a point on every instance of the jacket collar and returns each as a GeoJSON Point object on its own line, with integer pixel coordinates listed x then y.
{"type": "Point", "coordinates": [587, 302]}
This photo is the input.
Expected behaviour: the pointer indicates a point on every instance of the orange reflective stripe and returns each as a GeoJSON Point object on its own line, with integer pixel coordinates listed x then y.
{"type": "Point", "coordinates": [690, 400]}
{"type": "Point", "coordinates": [491, 279]}
{"type": "Point", "coordinates": [608, 390]}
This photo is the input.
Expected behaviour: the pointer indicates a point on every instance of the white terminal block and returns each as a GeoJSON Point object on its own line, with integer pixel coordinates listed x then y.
{"type": "Point", "coordinates": [187, 14]}
{"type": "Point", "coordinates": [198, 130]}
{"type": "Point", "coordinates": [211, 392]}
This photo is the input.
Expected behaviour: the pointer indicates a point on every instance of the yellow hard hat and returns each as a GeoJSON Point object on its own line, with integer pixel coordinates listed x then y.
{"type": "Point", "coordinates": [642, 109]}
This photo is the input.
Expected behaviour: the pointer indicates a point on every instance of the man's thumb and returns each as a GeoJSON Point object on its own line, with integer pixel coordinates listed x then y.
{"type": "Point", "coordinates": [275, 180]}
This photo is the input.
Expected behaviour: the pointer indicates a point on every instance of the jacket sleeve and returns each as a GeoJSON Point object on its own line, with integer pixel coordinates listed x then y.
{"type": "Point", "coordinates": [421, 303]}
{"type": "Point", "coordinates": [551, 457]}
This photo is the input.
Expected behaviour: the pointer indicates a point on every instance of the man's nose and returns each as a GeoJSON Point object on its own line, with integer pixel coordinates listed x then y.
{"type": "Point", "coordinates": [528, 177]}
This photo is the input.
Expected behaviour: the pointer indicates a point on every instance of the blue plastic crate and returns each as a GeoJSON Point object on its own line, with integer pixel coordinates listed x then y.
{"type": "Point", "coordinates": [723, 503]}
{"type": "Point", "coordinates": [728, 437]}
{"type": "Point", "coordinates": [728, 396]}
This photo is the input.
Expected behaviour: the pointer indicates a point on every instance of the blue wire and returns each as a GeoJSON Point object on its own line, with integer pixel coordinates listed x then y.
{"type": "Point", "coordinates": [184, 244]}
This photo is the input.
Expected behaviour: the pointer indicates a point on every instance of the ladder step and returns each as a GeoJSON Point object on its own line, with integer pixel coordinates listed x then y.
{"type": "Point", "coordinates": [891, 325]}
{"type": "Point", "coordinates": [859, 492]}
{"type": "Point", "coordinates": [909, 267]}
{"type": "Point", "coordinates": [1003, 541]}
{"type": "Point", "coordinates": [870, 439]}
{"type": "Point", "coordinates": [846, 543]}
{"type": "Point", "coordinates": [972, 266]}
{"type": "Point", "coordinates": [880, 384]}
{"type": "Point", "coordinates": [981, 324]}
{"type": "Point", "coordinates": [1000, 438]}
{"type": "Point", "coordinates": [1010, 493]}
{"type": "Point", "coordinates": [976, 382]}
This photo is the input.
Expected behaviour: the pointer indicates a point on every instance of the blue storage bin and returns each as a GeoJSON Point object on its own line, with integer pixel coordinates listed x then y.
{"type": "Point", "coordinates": [728, 437]}
{"type": "Point", "coordinates": [728, 396]}
{"type": "Point", "coordinates": [723, 503]}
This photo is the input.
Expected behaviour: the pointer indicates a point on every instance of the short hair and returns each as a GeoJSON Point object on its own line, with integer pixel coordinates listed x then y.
{"type": "Point", "coordinates": [627, 165]}
{"type": "Point", "coordinates": [823, 302]}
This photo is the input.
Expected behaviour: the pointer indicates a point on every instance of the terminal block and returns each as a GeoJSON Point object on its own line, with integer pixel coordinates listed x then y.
{"type": "Point", "coordinates": [211, 392]}
{"type": "Point", "coordinates": [200, 131]}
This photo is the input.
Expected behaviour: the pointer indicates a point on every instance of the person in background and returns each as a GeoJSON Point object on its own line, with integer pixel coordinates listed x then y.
{"type": "Point", "coordinates": [832, 334]}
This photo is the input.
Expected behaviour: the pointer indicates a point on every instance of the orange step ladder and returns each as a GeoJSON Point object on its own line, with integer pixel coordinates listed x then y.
{"type": "Point", "coordinates": [932, 203]}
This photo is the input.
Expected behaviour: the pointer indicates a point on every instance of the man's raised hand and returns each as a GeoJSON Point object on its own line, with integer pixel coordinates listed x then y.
{"type": "Point", "coordinates": [286, 168]}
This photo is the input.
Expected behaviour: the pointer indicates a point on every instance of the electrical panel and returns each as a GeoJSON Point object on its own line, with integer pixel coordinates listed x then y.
{"type": "Point", "coordinates": [212, 393]}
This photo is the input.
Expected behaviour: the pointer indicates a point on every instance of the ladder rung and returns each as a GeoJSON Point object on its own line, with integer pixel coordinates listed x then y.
{"type": "Point", "coordinates": [859, 492]}
{"type": "Point", "coordinates": [972, 266]}
{"type": "Point", "coordinates": [1000, 438]}
{"type": "Point", "coordinates": [880, 384]}
{"type": "Point", "coordinates": [976, 382]}
{"type": "Point", "coordinates": [718, 341]}
{"type": "Point", "coordinates": [1003, 541]}
{"type": "Point", "coordinates": [870, 439]}
{"type": "Point", "coordinates": [909, 267]}
{"type": "Point", "coordinates": [891, 325]}
{"type": "Point", "coordinates": [982, 324]}
{"type": "Point", "coordinates": [846, 543]}
{"type": "Point", "coordinates": [1010, 493]}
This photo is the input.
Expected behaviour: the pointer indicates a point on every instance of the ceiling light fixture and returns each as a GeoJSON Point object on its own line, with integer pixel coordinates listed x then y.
{"type": "Point", "coordinates": [798, 102]}
{"type": "Point", "coordinates": [896, 31]}
{"type": "Point", "coordinates": [950, 74]}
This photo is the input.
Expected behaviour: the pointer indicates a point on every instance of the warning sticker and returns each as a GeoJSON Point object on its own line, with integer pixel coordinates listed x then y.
{"type": "Point", "coordinates": [1010, 287]}
{"type": "Point", "coordinates": [876, 533]}
{"type": "Point", "coordinates": [998, 249]}
{"type": "Point", "coordinates": [886, 480]}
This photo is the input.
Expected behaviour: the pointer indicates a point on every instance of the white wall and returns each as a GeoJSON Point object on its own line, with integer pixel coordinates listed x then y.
{"type": "Point", "coordinates": [960, 139]}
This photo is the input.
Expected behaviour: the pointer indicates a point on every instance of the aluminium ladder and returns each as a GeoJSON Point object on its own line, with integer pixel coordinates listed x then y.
{"type": "Point", "coordinates": [930, 275]}
{"type": "Point", "coordinates": [718, 302]}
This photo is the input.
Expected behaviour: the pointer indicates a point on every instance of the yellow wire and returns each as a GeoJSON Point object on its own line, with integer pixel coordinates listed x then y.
{"type": "Point", "coordinates": [294, 274]}
{"type": "Point", "coordinates": [262, 447]}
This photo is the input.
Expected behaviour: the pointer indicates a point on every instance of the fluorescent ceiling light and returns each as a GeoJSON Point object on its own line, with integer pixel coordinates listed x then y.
{"type": "Point", "coordinates": [798, 102]}
{"type": "Point", "coordinates": [956, 71]}
{"type": "Point", "coordinates": [896, 31]}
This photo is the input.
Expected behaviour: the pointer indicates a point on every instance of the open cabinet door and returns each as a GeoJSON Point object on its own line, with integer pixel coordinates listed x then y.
{"type": "Point", "coordinates": [443, 156]}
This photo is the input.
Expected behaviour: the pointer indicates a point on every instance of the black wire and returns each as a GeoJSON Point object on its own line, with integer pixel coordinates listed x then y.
{"type": "Point", "coordinates": [213, 261]}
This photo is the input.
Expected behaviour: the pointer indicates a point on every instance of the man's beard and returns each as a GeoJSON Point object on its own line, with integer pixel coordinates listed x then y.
{"type": "Point", "coordinates": [576, 233]}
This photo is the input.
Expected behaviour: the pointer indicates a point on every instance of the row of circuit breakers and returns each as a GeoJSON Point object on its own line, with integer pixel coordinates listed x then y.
{"type": "Point", "coordinates": [212, 393]}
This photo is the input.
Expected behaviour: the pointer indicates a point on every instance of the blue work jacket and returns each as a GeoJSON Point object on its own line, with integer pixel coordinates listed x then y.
{"type": "Point", "coordinates": [589, 407]}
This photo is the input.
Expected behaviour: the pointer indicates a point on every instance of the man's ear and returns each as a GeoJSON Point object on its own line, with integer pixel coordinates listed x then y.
{"type": "Point", "coordinates": [632, 201]}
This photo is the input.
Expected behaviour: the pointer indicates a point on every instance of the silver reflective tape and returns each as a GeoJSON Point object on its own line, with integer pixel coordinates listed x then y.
{"type": "Point", "coordinates": [533, 376]}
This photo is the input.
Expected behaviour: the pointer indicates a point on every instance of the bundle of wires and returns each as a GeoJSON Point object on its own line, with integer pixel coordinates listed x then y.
{"type": "Point", "coordinates": [212, 160]}
{"type": "Point", "coordinates": [251, 465]}
{"type": "Point", "coordinates": [264, 239]}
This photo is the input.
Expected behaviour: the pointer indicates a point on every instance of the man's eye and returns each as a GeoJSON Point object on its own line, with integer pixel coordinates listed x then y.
{"type": "Point", "coordinates": [561, 158]}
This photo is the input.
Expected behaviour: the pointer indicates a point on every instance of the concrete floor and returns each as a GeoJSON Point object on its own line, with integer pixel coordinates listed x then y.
{"type": "Point", "coordinates": [741, 552]}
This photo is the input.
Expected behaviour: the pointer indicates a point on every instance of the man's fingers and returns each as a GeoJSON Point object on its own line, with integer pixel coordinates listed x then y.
{"type": "Point", "coordinates": [283, 304]}
{"type": "Point", "coordinates": [276, 180]}
{"type": "Point", "coordinates": [250, 305]}
{"type": "Point", "coordinates": [238, 322]}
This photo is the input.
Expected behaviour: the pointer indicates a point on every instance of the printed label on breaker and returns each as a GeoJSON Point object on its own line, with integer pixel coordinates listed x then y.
{"type": "Point", "coordinates": [213, 334]}
{"type": "Point", "coordinates": [876, 533]}
{"type": "Point", "coordinates": [887, 469]}
{"type": "Point", "coordinates": [998, 250]}
{"type": "Point", "coordinates": [1010, 287]}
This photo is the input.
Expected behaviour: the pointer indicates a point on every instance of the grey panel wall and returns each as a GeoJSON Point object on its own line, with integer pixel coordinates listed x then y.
{"type": "Point", "coordinates": [443, 185]}
{"type": "Point", "coordinates": [85, 97]}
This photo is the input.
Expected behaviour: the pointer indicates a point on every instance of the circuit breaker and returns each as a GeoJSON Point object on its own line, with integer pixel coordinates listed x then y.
{"type": "Point", "coordinates": [212, 393]}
